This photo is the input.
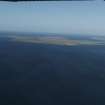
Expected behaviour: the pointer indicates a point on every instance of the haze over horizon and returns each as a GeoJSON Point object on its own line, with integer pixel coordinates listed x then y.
{"type": "Point", "coordinates": [53, 17]}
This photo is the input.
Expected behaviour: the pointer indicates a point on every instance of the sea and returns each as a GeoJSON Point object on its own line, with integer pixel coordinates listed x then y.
{"type": "Point", "coordinates": [43, 74]}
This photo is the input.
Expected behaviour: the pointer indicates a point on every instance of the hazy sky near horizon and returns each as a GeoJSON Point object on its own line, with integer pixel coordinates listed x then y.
{"type": "Point", "coordinates": [75, 17]}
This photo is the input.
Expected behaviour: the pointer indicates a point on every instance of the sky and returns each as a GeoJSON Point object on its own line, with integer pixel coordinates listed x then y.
{"type": "Point", "coordinates": [63, 17]}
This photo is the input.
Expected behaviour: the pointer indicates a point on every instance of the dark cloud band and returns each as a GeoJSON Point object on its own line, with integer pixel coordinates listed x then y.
{"type": "Point", "coordinates": [43, 0]}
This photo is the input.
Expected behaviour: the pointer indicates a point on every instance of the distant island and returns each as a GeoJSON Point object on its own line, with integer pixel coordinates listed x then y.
{"type": "Point", "coordinates": [59, 40]}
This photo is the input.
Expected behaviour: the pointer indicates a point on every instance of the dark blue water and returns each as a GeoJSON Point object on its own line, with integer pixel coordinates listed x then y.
{"type": "Point", "coordinates": [38, 74]}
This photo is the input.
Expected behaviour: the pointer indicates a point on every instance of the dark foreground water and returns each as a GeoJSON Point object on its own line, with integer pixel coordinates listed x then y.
{"type": "Point", "coordinates": [37, 74]}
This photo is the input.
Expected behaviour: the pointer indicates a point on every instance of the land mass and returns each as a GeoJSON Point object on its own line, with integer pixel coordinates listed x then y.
{"type": "Point", "coordinates": [59, 40]}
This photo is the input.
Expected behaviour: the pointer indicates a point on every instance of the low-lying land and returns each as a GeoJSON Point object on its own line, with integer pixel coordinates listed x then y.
{"type": "Point", "coordinates": [59, 40]}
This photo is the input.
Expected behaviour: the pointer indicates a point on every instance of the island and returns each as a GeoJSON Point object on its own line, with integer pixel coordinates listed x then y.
{"type": "Point", "coordinates": [59, 40]}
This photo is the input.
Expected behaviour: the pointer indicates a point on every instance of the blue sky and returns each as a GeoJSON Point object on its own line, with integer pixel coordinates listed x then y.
{"type": "Point", "coordinates": [63, 17]}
